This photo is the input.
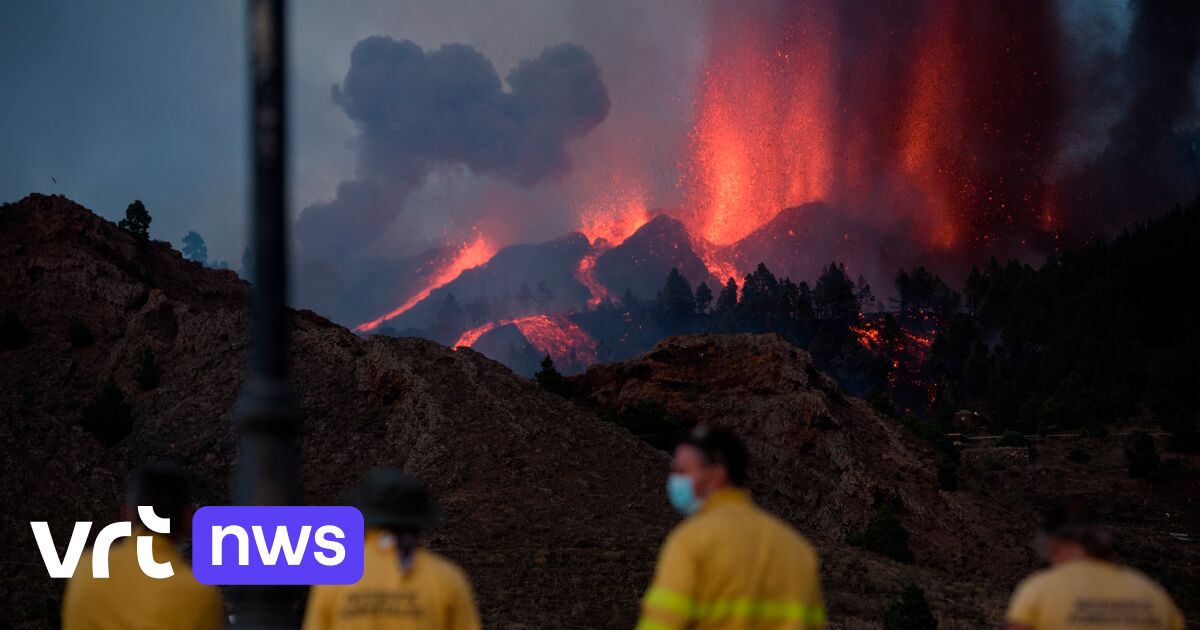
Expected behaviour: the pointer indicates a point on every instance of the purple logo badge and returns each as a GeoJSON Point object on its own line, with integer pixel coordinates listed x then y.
{"type": "Point", "coordinates": [277, 545]}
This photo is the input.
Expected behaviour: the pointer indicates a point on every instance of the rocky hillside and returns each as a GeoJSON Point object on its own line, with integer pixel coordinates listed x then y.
{"type": "Point", "coordinates": [828, 462]}
{"type": "Point", "coordinates": [555, 513]}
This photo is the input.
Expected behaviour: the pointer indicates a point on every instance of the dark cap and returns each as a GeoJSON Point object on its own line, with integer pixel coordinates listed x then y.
{"type": "Point", "coordinates": [1077, 522]}
{"type": "Point", "coordinates": [389, 497]}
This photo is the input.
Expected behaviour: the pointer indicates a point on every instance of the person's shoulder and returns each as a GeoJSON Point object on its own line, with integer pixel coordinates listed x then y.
{"type": "Point", "coordinates": [1146, 583]}
{"type": "Point", "coordinates": [694, 529]}
{"type": "Point", "coordinates": [1039, 580]}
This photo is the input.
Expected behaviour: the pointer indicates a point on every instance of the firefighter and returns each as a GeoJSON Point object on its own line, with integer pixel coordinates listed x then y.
{"type": "Point", "coordinates": [403, 586]}
{"type": "Point", "coordinates": [1085, 586]}
{"type": "Point", "coordinates": [729, 564]}
{"type": "Point", "coordinates": [128, 598]}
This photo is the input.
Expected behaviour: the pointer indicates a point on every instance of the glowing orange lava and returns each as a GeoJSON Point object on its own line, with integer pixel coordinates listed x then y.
{"type": "Point", "coordinates": [586, 274]}
{"type": "Point", "coordinates": [614, 219]}
{"type": "Point", "coordinates": [555, 335]}
{"type": "Point", "coordinates": [763, 136]}
{"type": "Point", "coordinates": [470, 255]}
{"type": "Point", "coordinates": [719, 266]}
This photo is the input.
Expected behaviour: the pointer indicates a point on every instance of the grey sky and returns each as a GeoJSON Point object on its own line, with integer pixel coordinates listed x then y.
{"type": "Point", "coordinates": [146, 99]}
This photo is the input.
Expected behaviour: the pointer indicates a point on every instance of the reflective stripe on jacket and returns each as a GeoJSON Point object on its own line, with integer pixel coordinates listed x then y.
{"type": "Point", "coordinates": [733, 565]}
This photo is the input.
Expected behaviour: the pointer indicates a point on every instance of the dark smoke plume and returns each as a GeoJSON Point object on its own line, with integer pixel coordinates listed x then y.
{"type": "Point", "coordinates": [418, 110]}
{"type": "Point", "coordinates": [1151, 158]}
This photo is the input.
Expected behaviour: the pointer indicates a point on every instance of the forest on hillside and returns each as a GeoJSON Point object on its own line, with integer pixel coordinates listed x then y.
{"type": "Point", "coordinates": [1096, 335]}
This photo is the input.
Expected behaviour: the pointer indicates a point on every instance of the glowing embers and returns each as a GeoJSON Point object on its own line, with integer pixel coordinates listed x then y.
{"type": "Point", "coordinates": [470, 255]}
{"type": "Point", "coordinates": [555, 335]}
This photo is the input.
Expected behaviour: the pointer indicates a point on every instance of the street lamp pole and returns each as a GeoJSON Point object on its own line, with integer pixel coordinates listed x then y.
{"type": "Point", "coordinates": [266, 419]}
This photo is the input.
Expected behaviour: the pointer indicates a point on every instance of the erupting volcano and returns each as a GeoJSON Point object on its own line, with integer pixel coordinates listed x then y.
{"type": "Point", "coordinates": [883, 136]}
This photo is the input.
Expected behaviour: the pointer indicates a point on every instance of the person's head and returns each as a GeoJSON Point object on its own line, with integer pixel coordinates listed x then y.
{"type": "Point", "coordinates": [393, 500]}
{"type": "Point", "coordinates": [165, 488]}
{"type": "Point", "coordinates": [705, 461]}
{"type": "Point", "coordinates": [1071, 532]}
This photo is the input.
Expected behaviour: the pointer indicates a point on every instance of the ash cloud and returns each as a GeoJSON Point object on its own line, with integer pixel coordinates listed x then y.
{"type": "Point", "coordinates": [419, 110]}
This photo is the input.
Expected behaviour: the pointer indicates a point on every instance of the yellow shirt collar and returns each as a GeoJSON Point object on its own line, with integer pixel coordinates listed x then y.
{"type": "Point", "coordinates": [725, 496]}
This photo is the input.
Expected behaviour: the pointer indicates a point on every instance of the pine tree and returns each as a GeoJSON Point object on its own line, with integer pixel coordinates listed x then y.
{"type": "Point", "coordinates": [727, 301]}
{"type": "Point", "coordinates": [704, 298]}
{"type": "Point", "coordinates": [194, 248]}
{"type": "Point", "coordinates": [136, 221]}
{"type": "Point", "coordinates": [676, 299]}
{"type": "Point", "coordinates": [834, 296]}
{"type": "Point", "coordinates": [549, 378]}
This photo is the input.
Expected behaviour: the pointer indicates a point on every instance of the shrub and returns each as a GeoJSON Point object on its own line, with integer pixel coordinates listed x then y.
{"type": "Point", "coordinates": [1079, 455]}
{"type": "Point", "coordinates": [650, 422]}
{"type": "Point", "coordinates": [13, 334]}
{"type": "Point", "coordinates": [909, 611]}
{"type": "Point", "coordinates": [1141, 457]}
{"type": "Point", "coordinates": [108, 417]}
{"type": "Point", "coordinates": [79, 335]}
{"type": "Point", "coordinates": [948, 475]}
{"type": "Point", "coordinates": [884, 535]}
{"type": "Point", "coordinates": [146, 374]}
{"type": "Point", "coordinates": [1013, 438]}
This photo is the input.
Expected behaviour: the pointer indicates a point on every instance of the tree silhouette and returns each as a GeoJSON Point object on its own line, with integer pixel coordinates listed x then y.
{"type": "Point", "coordinates": [136, 221]}
{"type": "Point", "coordinates": [676, 299]}
{"type": "Point", "coordinates": [549, 378]}
{"type": "Point", "coordinates": [704, 298]}
{"type": "Point", "coordinates": [194, 248]}
{"type": "Point", "coordinates": [834, 297]}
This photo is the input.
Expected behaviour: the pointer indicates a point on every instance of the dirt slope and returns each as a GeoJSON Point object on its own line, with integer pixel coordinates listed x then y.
{"type": "Point", "coordinates": [555, 514]}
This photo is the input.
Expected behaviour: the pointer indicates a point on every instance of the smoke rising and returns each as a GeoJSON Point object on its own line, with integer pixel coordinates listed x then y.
{"type": "Point", "coordinates": [1151, 159]}
{"type": "Point", "coordinates": [418, 110]}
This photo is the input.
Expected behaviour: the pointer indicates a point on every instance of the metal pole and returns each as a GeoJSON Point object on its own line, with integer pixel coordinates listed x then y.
{"type": "Point", "coordinates": [266, 469]}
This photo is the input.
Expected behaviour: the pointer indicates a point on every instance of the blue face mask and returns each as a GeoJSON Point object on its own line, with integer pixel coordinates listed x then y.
{"type": "Point", "coordinates": [682, 494]}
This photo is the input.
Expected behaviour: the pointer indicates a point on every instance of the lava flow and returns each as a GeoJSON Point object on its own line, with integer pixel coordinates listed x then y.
{"type": "Point", "coordinates": [586, 274]}
{"type": "Point", "coordinates": [470, 255]}
{"type": "Point", "coordinates": [555, 335]}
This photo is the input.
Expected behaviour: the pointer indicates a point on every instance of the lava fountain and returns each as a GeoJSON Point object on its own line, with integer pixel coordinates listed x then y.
{"type": "Point", "coordinates": [933, 122]}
